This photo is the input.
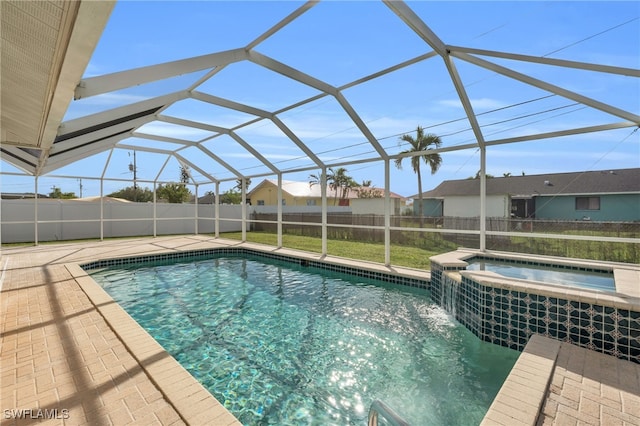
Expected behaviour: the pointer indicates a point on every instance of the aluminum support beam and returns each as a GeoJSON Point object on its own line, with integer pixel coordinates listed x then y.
{"type": "Point", "coordinates": [255, 153]}
{"type": "Point", "coordinates": [412, 20]}
{"type": "Point", "coordinates": [196, 209]}
{"type": "Point", "coordinates": [323, 189]}
{"type": "Point", "coordinates": [195, 167]}
{"type": "Point", "coordinates": [243, 203]}
{"type": "Point", "coordinates": [217, 211]}
{"type": "Point", "coordinates": [101, 209]}
{"type": "Point", "coordinates": [292, 73]}
{"type": "Point", "coordinates": [279, 218]}
{"type": "Point", "coordinates": [284, 22]}
{"type": "Point", "coordinates": [35, 213]}
{"type": "Point", "coordinates": [631, 72]}
{"type": "Point", "coordinates": [135, 77]}
{"type": "Point", "coordinates": [360, 124]}
{"type": "Point", "coordinates": [160, 138]}
{"type": "Point", "coordinates": [220, 161]}
{"type": "Point", "coordinates": [387, 213]}
{"type": "Point", "coordinates": [549, 87]}
{"type": "Point", "coordinates": [483, 198]}
{"type": "Point", "coordinates": [155, 209]}
{"type": "Point", "coordinates": [225, 103]}
{"type": "Point", "coordinates": [464, 99]}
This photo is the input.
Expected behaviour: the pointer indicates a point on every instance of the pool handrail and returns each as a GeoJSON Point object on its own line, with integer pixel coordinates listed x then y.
{"type": "Point", "coordinates": [380, 408]}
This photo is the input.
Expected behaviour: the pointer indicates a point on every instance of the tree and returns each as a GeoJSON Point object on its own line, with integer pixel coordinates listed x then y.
{"type": "Point", "coordinates": [487, 175]}
{"type": "Point", "coordinates": [338, 181]}
{"type": "Point", "coordinates": [367, 190]}
{"type": "Point", "coordinates": [185, 174]}
{"type": "Point", "coordinates": [134, 193]}
{"type": "Point", "coordinates": [173, 192]}
{"type": "Point", "coordinates": [342, 183]}
{"type": "Point", "coordinates": [238, 186]}
{"type": "Point", "coordinates": [231, 196]}
{"type": "Point", "coordinates": [57, 193]}
{"type": "Point", "coordinates": [422, 143]}
{"type": "Point", "coordinates": [330, 179]}
{"type": "Point", "coordinates": [176, 192]}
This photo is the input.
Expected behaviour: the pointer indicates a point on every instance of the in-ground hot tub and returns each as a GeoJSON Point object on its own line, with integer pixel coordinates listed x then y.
{"type": "Point", "coordinates": [545, 272]}
{"type": "Point", "coordinates": [509, 310]}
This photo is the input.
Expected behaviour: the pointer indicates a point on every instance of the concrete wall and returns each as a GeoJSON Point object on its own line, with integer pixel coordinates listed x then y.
{"type": "Point", "coordinates": [71, 220]}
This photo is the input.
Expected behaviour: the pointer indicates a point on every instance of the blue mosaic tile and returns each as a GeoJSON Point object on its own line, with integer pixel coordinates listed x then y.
{"type": "Point", "coordinates": [218, 252]}
{"type": "Point", "coordinates": [509, 318]}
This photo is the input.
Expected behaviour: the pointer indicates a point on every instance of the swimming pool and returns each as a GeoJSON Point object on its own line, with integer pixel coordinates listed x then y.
{"type": "Point", "coordinates": [279, 343]}
{"type": "Point", "coordinates": [552, 274]}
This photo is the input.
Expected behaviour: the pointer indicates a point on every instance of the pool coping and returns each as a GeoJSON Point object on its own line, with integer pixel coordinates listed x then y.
{"type": "Point", "coordinates": [522, 395]}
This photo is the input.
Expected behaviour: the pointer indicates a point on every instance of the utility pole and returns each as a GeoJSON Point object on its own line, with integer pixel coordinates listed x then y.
{"type": "Point", "coordinates": [80, 187]}
{"type": "Point", "coordinates": [133, 168]}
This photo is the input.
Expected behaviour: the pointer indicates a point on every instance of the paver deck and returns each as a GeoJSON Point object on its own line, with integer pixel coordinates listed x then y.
{"type": "Point", "coordinates": [69, 352]}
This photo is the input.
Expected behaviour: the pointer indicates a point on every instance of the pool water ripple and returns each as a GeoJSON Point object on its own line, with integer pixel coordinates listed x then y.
{"type": "Point", "coordinates": [282, 344]}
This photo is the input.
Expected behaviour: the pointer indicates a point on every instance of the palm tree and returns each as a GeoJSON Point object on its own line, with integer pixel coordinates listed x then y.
{"type": "Point", "coordinates": [342, 181]}
{"type": "Point", "coordinates": [239, 184]}
{"type": "Point", "coordinates": [330, 180]}
{"type": "Point", "coordinates": [422, 143]}
{"type": "Point", "coordinates": [338, 181]}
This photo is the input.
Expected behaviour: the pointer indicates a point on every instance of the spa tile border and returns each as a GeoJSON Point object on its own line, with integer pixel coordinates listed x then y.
{"type": "Point", "coordinates": [508, 312]}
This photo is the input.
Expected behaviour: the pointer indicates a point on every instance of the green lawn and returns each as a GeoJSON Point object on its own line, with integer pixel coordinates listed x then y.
{"type": "Point", "coordinates": [412, 257]}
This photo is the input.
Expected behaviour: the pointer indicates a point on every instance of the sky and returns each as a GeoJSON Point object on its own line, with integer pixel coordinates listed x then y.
{"type": "Point", "coordinates": [340, 42]}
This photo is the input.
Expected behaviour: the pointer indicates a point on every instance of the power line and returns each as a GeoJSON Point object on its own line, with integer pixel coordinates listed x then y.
{"type": "Point", "coordinates": [465, 118]}
{"type": "Point", "coordinates": [591, 36]}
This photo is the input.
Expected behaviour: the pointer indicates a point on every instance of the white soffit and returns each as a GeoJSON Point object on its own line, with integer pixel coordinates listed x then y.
{"type": "Point", "coordinates": [46, 46]}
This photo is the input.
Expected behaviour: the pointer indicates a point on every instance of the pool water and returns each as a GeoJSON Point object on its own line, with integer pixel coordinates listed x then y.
{"type": "Point", "coordinates": [279, 343]}
{"type": "Point", "coordinates": [548, 274]}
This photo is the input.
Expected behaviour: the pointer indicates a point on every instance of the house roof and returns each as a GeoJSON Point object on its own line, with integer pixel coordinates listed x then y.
{"type": "Point", "coordinates": [205, 199]}
{"type": "Point", "coordinates": [21, 195]}
{"type": "Point", "coordinates": [590, 182]}
{"type": "Point", "coordinates": [304, 190]}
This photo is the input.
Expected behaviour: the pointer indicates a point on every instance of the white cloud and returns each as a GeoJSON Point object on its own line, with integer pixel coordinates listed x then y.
{"type": "Point", "coordinates": [477, 104]}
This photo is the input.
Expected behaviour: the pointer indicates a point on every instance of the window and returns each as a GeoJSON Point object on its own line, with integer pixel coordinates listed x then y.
{"type": "Point", "coordinates": [587, 203]}
{"type": "Point", "coordinates": [261, 202]}
{"type": "Point", "coordinates": [311, 202]}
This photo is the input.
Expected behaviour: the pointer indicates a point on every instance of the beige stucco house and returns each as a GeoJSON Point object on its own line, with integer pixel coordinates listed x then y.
{"type": "Point", "coordinates": [302, 194]}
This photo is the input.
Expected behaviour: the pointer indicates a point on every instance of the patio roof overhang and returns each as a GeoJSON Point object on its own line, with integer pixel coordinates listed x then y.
{"type": "Point", "coordinates": [46, 47]}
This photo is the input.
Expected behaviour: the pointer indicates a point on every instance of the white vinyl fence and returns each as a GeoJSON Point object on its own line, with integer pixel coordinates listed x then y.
{"type": "Point", "coordinates": [74, 219]}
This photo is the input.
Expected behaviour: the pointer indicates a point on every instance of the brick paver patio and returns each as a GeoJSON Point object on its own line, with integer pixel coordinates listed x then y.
{"type": "Point", "coordinates": [68, 351]}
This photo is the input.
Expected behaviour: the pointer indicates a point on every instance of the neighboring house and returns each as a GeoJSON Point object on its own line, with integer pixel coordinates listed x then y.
{"type": "Point", "coordinates": [607, 195]}
{"type": "Point", "coordinates": [302, 194]}
{"type": "Point", "coordinates": [205, 199]}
